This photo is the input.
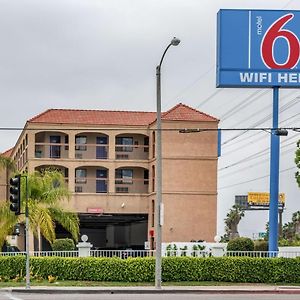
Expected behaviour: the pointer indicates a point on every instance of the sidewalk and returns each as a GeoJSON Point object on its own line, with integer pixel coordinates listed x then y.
{"type": "Point", "coordinates": [247, 289]}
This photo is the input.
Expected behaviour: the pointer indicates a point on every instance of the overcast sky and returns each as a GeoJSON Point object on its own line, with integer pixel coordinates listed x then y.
{"type": "Point", "coordinates": [102, 54]}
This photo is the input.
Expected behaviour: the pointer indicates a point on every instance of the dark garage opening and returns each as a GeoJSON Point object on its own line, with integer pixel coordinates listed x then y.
{"type": "Point", "coordinates": [109, 231]}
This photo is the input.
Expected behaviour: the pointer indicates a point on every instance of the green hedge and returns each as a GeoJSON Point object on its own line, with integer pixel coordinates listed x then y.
{"type": "Point", "coordinates": [224, 269]}
{"type": "Point", "coordinates": [63, 245]}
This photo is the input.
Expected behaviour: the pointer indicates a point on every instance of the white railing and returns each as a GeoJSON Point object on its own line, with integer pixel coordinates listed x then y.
{"type": "Point", "coordinates": [122, 253]}
{"type": "Point", "coordinates": [12, 253]}
{"type": "Point", "coordinates": [193, 253]}
{"type": "Point", "coordinates": [54, 253]}
{"type": "Point", "coordinates": [151, 253]}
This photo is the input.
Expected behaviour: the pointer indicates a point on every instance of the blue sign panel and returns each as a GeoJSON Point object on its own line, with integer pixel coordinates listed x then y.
{"type": "Point", "coordinates": [258, 48]}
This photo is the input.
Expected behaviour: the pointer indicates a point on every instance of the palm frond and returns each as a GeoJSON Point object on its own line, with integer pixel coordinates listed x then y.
{"type": "Point", "coordinates": [7, 221]}
{"type": "Point", "coordinates": [46, 224]}
{"type": "Point", "coordinates": [68, 220]}
{"type": "Point", "coordinates": [6, 162]}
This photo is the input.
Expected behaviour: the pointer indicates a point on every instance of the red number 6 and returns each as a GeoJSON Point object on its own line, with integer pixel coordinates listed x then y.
{"type": "Point", "coordinates": [274, 32]}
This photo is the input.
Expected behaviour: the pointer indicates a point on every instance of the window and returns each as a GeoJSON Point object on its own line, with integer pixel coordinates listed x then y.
{"type": "Point", "coordinates": [124, 176]}
{"type": "Point", "coordinates": [54, 149]}
{"type": "Point", "coordinates": [152, 212]}
{"type": "Point", "coordinates": [101, 181]}
{"type": "Point", "coordinates": [146, 177]}
{"type": "Point", "coordinates": [66, 142]}
{"type": "Point", "coordinates": [153, 144]}
{"type": "Point", "coordinates": [153, 178]}
{"type": "Point", "coordinates": [124, 141]}
{"type": "Point", "coordinates": [146, 144]}
{"type": "Point", "coordinates": [80, 142]}
{"type": "Point", "coordinates": [80, 176]}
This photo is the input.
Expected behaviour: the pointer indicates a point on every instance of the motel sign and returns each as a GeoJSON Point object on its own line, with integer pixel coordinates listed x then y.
{"type": "Point", "coordinates": [258, 48]}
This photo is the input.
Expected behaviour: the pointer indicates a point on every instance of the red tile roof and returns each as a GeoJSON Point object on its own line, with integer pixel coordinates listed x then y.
{"type": "Point", "coordinates": [180, 112]}
{"type": "Point", "coordinates": [8, 152]}
{"type": "Point", "coordinates": [93, 117]}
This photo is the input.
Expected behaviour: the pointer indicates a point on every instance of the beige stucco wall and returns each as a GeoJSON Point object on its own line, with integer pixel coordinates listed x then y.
{"type": "Point", "coordinates": [3, 184]}
{"type": "Point", "coordinates": [189, 182]}
{"type": "Point", "coordinates": [189, 163]}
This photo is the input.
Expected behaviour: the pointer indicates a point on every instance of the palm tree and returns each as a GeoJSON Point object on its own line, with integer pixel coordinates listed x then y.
{"type": "Point", "coordinates": [288, 231]}
{"type": "Point", "coordinates": [296, 221]}
{"type": "Point", "coordinates": [46, 191]}
{"type": "Point", "coordinates": [6, 162]}
{"type": "Point", "coordinates": [232, 220]}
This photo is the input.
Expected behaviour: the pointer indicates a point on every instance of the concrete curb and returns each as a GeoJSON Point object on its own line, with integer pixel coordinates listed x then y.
{"type": "Point", "coordinates": [169, 290]}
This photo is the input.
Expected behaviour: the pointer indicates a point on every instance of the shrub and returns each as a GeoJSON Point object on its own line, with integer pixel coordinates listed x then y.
{"type": "Point", "coordinates": [261, 245]}
{"type": "Point", "coordinates": [240, 244]}
{"type": "Point", "coordinates": [63, 245]}
{"type": "Point", "coordinates": [223, 269]}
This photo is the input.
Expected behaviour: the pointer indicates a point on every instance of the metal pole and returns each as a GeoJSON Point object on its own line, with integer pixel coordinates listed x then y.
{"type": "Point", "coordinates": [274, 176]}
{"type": "Point", "coordinates": [27, 238]}
{"type": "Point", "coordinates": [158, 204]}
{"type": "Point", "coordinates": [158, 172]}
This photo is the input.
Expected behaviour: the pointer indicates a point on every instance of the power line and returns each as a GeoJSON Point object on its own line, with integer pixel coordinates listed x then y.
{"type": "Point", "coordinates": [255, 179]}
{"type": "Point", "coordinates": [209, 98]}
{"type": "Point", "coordinates": [288, 3]}
{"type": "Point", "coordinates": [245, 103]}
{"type": "Point", "coordinates": [192, 84]}
{"type": "Point", "coordinates": [257, 139]}
{"type": "Point", "coordinates": [254, 135]}
{"type": "Point", "coordinates": [260, 111]}
{"type": "Point", "coordinates": [256, 164]}
{"type": "Point", "coordinates": [261, 121]}
{"type": "Point", "coordinates": [253, 156]}
{"type": "Point", "coordinates": [181, 130]}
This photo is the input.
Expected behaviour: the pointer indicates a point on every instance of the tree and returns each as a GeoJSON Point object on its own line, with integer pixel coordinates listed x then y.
{"type": "Point", "coordinates": [296, 221]}
{"type": "Point", "coordinates": [297, 161]}
{"type": "Point", "coordinates": [6, 162]}
{"type": "Point", "coordinates": [232, 220]}
{"type": "Point", "coordinates": [46, 191]}
{"type": "Point", "coordinates": [288, 231]}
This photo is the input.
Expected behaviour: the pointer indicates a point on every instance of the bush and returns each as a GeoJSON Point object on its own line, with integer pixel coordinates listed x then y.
{"type": "Point", "coordinates": [240, 244]}
{"type": "Point", "coordinates": [63, 245]}
{"type": "Point", "coordinates": [288, 243]}
{"type": "Point", "coordinates": [223, 269]}
{"type": "Point", "coordinates": [261, 245]}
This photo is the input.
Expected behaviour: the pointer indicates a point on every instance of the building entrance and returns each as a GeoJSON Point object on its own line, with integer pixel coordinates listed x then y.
{"type": "Point", "coordinates": [110, 231]}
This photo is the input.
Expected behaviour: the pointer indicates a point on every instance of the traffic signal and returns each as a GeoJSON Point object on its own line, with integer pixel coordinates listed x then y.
{"type": "Point", "coordinates": [15, 194]}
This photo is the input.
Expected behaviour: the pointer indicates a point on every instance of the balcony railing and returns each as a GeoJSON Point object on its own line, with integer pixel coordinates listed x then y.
{"type": "Point", "coordinates": [91, 151]}
{"type": "Point", "coordinates": [131, 185]}
{"type": "Point", "coordinates": [101, 185]}
{"type": "Point", "coordinates": [140, 152]}
{"type": "Point", "coordinates": [51, 150]}
{"type": "Point", "coordinates": [91, 185]}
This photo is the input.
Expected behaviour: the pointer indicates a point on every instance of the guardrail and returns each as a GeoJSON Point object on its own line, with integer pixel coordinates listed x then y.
{"type": "Point", "coordinates": [151, 253]}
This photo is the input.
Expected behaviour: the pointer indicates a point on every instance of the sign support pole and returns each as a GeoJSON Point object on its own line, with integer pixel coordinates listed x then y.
{"type": "Point", "coordinates": [274, 176]}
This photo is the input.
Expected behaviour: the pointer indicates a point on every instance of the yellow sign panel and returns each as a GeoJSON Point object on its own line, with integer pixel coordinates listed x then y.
{"type": "Point", "coordinates": [257, 198]}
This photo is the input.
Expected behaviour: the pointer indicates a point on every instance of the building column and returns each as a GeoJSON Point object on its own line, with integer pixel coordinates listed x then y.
{"type": "Point", "coordinates": [71, 180]}
{"type": "Point", "coordinates": [112, 147]}
{"type": "Point", "coordinates": [111, 180]}
{"type": "Point", "coordinates": [30, 145]}
{"type": "Point", "coordinates": [71, 145]}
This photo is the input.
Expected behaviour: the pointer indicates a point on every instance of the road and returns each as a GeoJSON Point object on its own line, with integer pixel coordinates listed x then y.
{"type": "Point", "coordinates": [30, 296]}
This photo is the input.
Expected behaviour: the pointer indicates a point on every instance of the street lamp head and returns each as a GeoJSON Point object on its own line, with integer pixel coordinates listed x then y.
{"type": "Point", "coordinates": [175, 41]}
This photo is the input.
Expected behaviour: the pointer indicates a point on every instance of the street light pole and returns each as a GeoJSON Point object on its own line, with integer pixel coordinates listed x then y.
{"type": "Point", "coordinates": [158, 204]}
